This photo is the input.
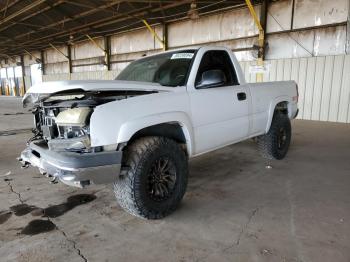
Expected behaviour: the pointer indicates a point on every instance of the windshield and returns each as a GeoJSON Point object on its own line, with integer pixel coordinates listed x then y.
{"type": "Point", "coordinates": [168, 69]}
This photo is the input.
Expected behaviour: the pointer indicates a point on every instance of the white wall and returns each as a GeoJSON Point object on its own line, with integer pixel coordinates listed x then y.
{"type": "Point", "coordinates": [324, 84]}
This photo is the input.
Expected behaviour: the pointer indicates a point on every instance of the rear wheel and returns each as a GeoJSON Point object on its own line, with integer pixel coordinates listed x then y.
{"type": "Point", "coordinates": [275, 144]}
{"type": "Point", "coordinates": [156, 178]}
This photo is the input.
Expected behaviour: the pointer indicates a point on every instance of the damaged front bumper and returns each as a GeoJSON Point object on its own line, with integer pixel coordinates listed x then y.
{"type": "Point", "coordinates": [74, 169]}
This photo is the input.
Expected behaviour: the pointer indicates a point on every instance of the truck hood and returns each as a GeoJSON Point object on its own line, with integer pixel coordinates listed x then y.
{"type": "Point", "coordinates": [44, 90]}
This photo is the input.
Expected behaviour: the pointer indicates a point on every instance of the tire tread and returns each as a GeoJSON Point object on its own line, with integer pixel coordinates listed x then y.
{"type": "Point", "coordinates": [267, 143]}
{"type": "Point", "coordinates": [124, 187]}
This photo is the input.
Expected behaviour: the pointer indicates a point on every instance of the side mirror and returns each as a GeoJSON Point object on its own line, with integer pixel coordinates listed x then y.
{"type": "Point", "coordinates": [211, 78]}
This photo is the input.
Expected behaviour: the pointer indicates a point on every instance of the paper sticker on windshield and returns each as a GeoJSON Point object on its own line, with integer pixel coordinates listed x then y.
{"type": "Point", "coordinates": [182, 56]}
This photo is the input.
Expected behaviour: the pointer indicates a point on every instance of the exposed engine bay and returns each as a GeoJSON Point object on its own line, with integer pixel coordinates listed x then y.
{"type": "Point", "coordinates": [62, 119]}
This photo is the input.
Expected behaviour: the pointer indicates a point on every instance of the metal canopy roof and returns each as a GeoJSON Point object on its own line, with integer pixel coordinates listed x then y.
{"type": "Point", "coordinates": [29, 25]}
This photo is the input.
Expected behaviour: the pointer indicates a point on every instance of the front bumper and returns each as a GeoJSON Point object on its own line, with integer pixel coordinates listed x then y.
{"type": "Point", "coordinates": [75, 169]}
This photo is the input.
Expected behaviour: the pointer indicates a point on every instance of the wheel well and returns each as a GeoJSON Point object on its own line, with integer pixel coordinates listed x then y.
{"type": "Point", "coordinates": [282, 107]}
{"type": "Point", "coordinates": [170, 130]}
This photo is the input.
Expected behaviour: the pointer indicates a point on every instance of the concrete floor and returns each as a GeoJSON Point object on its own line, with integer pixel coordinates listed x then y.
{"type": "Point", "coordinates": [235, 208]}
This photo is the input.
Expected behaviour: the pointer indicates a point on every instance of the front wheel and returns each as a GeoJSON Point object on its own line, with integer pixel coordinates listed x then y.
{"type": "Point", "coordinates": [155, 180]}
{"type": "Point", "coordinates": [275, 144]}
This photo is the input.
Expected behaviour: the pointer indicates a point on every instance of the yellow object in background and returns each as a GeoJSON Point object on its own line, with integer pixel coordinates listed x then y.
{"type": "Point", "coordinates": [7, 90]}
{"type": "Point", "coordinates": [21, 90]}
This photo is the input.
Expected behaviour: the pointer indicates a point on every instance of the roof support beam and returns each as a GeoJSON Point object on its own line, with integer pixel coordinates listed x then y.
{"type": "Point", "coordinates": [261, 38]}
{"type": "Point", "coordinates": [61, 22]}
{"type": "Point", "coordinates": [106, 55]}
{"type": "Point", "coordinates": [32, 15]}
{"type": "Point", "coordinates": [23, 10]}
{"type": "Point", "coordinates": [38, 60]}
{"type": "Point", "coordinates": [5, 55]}
{"type": "Point", "coordinates": [257, 22]}
{"type": "Point", "coordinates": [95, 43]}
{"type": "Point", "coordinates": [96, 24]}
{"type": "Point", "coordinates": [59, 51]}
{"type": "Point", "coordinates": [8, 5]}
{"type": "Point", "coordinates": [66, 56]}
{"type": "Point", "coordinates": [154, 33]}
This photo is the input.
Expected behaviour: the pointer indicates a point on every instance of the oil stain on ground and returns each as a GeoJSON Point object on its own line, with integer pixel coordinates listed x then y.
{"type": "Point", "coordinates": [22, 209]}
{"type": "Point", "coordinates": [38, 226]}
{"type": "Point", "coordinates": [72, 202]}
{"type": "Point", "coordinates": [4, 216]}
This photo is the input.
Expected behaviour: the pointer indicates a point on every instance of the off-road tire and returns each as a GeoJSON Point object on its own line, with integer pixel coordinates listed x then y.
{"type": "Point", "coordinates": [269, 145]}
{"type": "Point", "coordinates": [131, 187]}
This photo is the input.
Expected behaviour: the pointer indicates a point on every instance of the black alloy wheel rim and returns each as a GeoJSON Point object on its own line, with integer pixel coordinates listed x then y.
{"type": "Point", "coordinates": [281, 138]}
{"type": "Point", "coordinates": [161, 179]}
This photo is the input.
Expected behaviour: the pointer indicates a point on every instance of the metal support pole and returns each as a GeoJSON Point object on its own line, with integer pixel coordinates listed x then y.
{"type": "Point", "coordinates": [69, 56]}
{"type": "Point", "coordinates": [165, 36]}
{"type": "Point", "coordinates": [23, 91]}
{"type": "Point", "coordinates": [263, 19]}
{"type": "Point", "coordinates": [107, 40]}
{"type": "Point", "coordinates": [14, 82]}
{"type": "Point", "coordinates": [42, 62]}
{"type": "Point", "coordinates": [154, 33]}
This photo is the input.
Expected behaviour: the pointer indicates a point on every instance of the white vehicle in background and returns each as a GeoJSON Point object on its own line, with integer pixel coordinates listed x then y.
{"type": "Point", "coordinates": [139, 130]}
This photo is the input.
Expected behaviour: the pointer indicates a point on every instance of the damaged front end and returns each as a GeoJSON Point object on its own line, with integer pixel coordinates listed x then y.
{"type": "Point", "coordinates": [61, 146]}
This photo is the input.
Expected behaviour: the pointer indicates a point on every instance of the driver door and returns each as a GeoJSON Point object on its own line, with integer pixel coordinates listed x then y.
{"type": "Point", "coordinates": [220, 112]}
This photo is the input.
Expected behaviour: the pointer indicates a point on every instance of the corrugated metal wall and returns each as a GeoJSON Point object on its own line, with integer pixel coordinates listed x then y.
{"type": "Point", "coordinates": [324, 84]}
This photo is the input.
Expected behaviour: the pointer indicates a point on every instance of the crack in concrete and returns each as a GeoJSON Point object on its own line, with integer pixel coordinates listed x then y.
{"type": "Point", "coordinates": [71, 241]}
{"type": "Point", "coordinates": [236, 244]}
{"type": "Point", "coordinates": [59, 229]}
{"type": "Point", "coordinates": [8, 181]}
{"type": "Point", "coordinates": [246, 225]}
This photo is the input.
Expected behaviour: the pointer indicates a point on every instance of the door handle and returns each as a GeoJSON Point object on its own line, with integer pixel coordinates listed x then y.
{"type": "Point", "coordinates": [241, 96]}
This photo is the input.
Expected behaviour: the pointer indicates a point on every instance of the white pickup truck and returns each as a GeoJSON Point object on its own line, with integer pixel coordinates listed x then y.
{"type": "Point", "coordinates": [139, 130]}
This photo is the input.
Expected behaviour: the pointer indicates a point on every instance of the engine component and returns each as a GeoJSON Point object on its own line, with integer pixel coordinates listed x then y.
{"type": "Point", "coordinates": [73, 117]}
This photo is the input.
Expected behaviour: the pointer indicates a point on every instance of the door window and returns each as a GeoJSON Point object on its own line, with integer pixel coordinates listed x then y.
{"type": "Point", "coordinates": [217, 60]}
